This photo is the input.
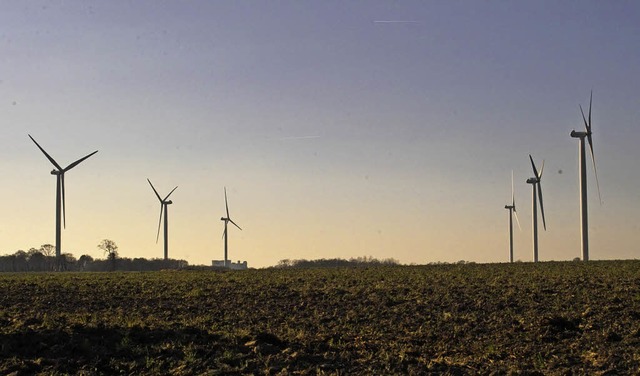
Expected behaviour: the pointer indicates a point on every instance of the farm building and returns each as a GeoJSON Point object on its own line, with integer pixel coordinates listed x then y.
{"type": "Point", "coordinates": [230, 265]}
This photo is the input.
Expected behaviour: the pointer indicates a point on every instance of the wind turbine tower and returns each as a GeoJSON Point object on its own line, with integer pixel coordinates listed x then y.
{"type": "Point", "coordinates": [584, 222]}
{"type": "Point", "coordinates": [512, 212]}
{"type": "Point", "coordinates": [536, 187]}
{"type": "Point", "coordinates": [59, 172]}
{"type": "Point", "coordinates": [164, 206]}
{"type": "Point", "coordinates": [225, 234]}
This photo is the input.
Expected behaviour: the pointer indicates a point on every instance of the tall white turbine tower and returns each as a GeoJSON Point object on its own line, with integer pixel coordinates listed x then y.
{"type": "Point", "coordinates": [584, 222]}
{"type": "Point", "coordinates": [225, 234]}
{"type": "Point", "coordinates": [164, 206]}
{"type": "Point", "coordinates": [512, 212]}
{"type": "Point", "coordinates": [535, 185]}
{"type": "Point", "coordinates": [61, 215]}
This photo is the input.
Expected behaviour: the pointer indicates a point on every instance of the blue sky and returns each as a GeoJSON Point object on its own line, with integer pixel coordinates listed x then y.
{"type": "Point", "coordinates": [337, 135]}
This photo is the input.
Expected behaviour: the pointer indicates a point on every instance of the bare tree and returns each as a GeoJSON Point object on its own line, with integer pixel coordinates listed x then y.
{"type": "Point", "coordinates": [47, 249]}
{"type": "Point", "coordinates": [111, 250]}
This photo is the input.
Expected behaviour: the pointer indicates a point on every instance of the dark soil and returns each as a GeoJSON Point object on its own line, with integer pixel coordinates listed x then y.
{"type": "Point", "coordinates": [522, 319]}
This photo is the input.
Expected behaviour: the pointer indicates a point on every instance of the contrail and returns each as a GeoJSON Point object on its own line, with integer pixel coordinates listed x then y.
{"type": "Point", "coordinates": [297, 138]}
{"type": "Point", "coordinates": [394, 21]}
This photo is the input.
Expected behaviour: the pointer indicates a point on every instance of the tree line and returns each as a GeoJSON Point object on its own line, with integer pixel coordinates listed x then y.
{"type": "Point", "coordinates": [336, 262]}
{"type": "Point", "coordinates": [43, 259]}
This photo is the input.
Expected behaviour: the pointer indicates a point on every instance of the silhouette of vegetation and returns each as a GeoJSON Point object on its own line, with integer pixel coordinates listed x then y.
{"type": "Point", "coordinates": [336, 262]}
{"type": "Point", "coordinates": [110, 248]}
{"type": "Point", "coordinates": [48, 249]}
{"type": "Point", "coordinates": [457, 319]}
{"type": "Point", "coordinates": [83, 262]}
{"type": "Point", "coordinates": [35, 260]}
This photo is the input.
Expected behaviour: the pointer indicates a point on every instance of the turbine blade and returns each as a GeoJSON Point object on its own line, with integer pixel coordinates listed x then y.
{"type": "Point", "coordinates": [590, 140]}
{"type": "Point", "coordinates": [159, 222]}
{"type": "Point", "coordinates": [535, 170]}
{"type": "Point", "coordinates": [165, 199]}
{"type": "Point", "coordinates": [517, 220]}
{"type": "Point", "coordinates": [226, 204]}
{"type": "Point", "coordinates": [230, 220]}
{"type": "Point", "coordinates": [74, 164]}
{"type": "Point", "coordinates": [595, 171]}
{"type": "Point", "coordinates": [544, 224]}
{"type": "Point", "coordinates": [590, 101]}
{"type": "Point", "coordinates": [154, 190]}
{"type": "Point", "coordinates": [64, 210]}
{"type": "Point", "coordinates": [46, 155]}
{"type": "Point", "coordinates": [541, 169]}
{"type": "Point", "coordinates": [513, 195]}
{"type": "Point", "coordinates": [587, 126]}
{"type": "Point", "coordinates": [224, 233]}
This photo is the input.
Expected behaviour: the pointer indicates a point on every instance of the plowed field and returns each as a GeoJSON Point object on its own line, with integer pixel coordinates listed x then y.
{"type": "Point", "coordinates": [549, 318]}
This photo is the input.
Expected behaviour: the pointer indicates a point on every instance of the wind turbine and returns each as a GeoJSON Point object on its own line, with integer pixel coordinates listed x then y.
{"type": "Point", "coordinates": [535, 183]}
{"type": "Point", "coordinates": [584, 223]}
{"type": "Point", "coordinates": [59, 172]}
{"type": "Point", "coordinates": [512, 211]}
{"type": "Point", "coordinates": [163, 207]}
{"type": "Point", "coordinates": [225, 234]}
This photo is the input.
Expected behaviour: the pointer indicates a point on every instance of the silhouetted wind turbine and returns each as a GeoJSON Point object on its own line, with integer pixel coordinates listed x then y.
{"type": "Point", "coordinates": [584, 223]}
{"type": "Point", "coordinates": [535, 183]}
{"type": "Point", "coordinates": [60, 201]}
{"type": "Point", "coordinates": [512, 212]}
{"type": "Point", "coordinates": [225, 234]}
{"type": "Point", "coordinates": [163, 207]}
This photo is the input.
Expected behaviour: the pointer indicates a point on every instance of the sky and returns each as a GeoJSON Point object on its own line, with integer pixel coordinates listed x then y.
{"type": "Point", "coordinates": [340, 129]}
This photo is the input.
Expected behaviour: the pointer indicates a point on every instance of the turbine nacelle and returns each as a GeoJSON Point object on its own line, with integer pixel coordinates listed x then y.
{"type": "Point", "coordinates": [577, 134]}
{"type": "Point", "coordinates": [56, 172]}
{"type": "Point", "coordinates": [533, 181]}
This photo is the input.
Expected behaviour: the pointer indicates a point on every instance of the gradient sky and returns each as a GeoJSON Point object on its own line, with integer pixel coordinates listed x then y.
{"type": "Point", "coordinates": [336, 134]}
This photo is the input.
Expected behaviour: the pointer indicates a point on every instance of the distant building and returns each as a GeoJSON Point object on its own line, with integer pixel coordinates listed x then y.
{"type": "Point", "coordinates": [230, 265]}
